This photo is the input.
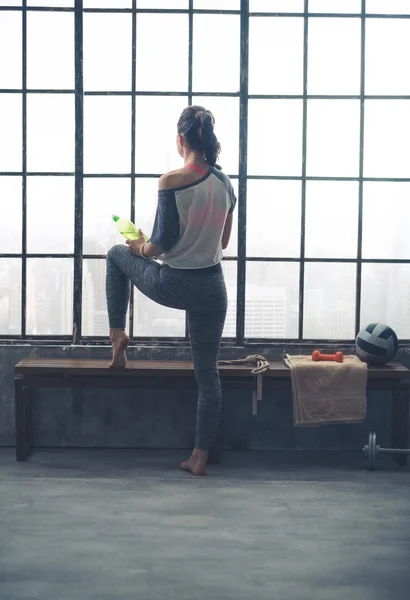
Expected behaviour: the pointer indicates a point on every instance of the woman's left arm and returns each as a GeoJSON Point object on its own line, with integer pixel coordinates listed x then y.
{"type": "Point", "coordinates": [166, 225]}
{"type": "Point", "coordinates": [165, 233]}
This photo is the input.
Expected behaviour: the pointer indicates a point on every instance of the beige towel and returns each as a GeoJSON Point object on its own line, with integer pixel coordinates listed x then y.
{"type": "Point", "coordinates": [327, 392]}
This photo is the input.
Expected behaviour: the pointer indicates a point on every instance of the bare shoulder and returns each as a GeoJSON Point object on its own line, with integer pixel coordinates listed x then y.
{"type": "Point", "coordinates": [173, 179]}
{"type": "Point", "coordinates": [177, 178]}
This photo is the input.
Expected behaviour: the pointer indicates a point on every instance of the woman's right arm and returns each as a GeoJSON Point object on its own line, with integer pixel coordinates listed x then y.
{"type": "Point", "coordinates": [226, 236]}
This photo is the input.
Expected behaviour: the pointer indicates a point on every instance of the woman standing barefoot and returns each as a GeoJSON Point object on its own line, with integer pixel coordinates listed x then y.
{"type": "Point", "coordinates": [192, 226]}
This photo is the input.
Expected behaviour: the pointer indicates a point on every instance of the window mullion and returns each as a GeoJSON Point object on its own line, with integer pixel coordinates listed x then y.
{"type": "Point", "coordinates": [303, 210]}
{"type": "Point", "coordinates": [79, 171]}
{"type": "Point", "coordinates": [243, 167]}
{"type": "Point", "coordinates": [360, 212]}
{"type": "Point", "coordinates": [24, 173]}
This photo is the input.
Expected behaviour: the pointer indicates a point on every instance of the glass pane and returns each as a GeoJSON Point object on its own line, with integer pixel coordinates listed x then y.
{"type": "Point", "coordinates": [10, 209]}
{"type": "Point", "coordinates": [217, 4]}
{"type": "Point", "coordinates": [216, 65]}
{"type": "Point", "coordinates": [337, 70]}
{"type": "Point", "coordinates": [107, 3]}
{"type": "Point", "coordinates": [331, 219]}
{"type": "Point", "coordinates": [107, 148]}
{"type": "Point", "coordinates": [10, 46]}
{"type": "Point", "coordinates": [50, 132]}
{"type": "Point", "coordinates": [276, 6]}
{"type": "Point", "coordinates": [272, 300]}
{"type": "Point", "coordinates": [10, 2]}
{"type": "Point", "coordinates": [104, 197]}
{"type": "Point", "coordinates": [394, 7]}
{"type": "Point", "coordinates": [334, 6]}
{"type": "Point", "coordinates": [386, 296]}
{"type": "Point", "coordinates": [107, 52]}
{"type": "Point", "coordinates": [330, 296]}
{"type": "Point", "coordinates": [50, 215]}
{"type": "Point", "coordinates": [386, 138]}
{"type": "Point", "coordinates": [278, 43]}
{"type": "Point", "coordinates": [156, 119]}
{"type": "Point", "coordinates": [50, 69]}
{"type": "Point", "coordinates": [49, 296]}
{"type": "Point", "coordinates": [10, 296]}
{"type": "Point", "coordinates": [232, 249]}
{"type": "Point", "coordinates": [162, 3]}
{"type": "Point", "coordinates": [226, 113]}
{"type": "Point", "coordinates": [162, 71]}
{"type": "Point", "coordinates": [53, 3]}
{"type": "Point", "coordinates": [153, 320]}
{"type": "Point", "coordinates": [11, 132]}
{"type": "Point", "coordinates": [275, 137]}
{"type": "Point", "coordinates": [94, 307]}
{"type": "Point", "coordinates": [333, 134]}
{"type": "Point", "coordinates": [386, 218]}
{"type": "Point", "coordinates": [230, 269]}
{"type": "Point", "coordinates": [387, 49]}
{"type": "Point", "coordinates": [273, 218]}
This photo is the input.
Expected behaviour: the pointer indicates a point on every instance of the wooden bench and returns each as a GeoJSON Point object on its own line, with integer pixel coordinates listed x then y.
{"type": "Point", "coordinates": [148, 374]}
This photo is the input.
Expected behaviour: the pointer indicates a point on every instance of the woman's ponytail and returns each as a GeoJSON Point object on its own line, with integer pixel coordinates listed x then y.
{"type": "Point", "coordinates": [210, 144]}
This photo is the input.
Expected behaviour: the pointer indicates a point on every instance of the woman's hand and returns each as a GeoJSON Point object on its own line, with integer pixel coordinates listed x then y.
{"type": "Point", "coordinates": [135, 245]}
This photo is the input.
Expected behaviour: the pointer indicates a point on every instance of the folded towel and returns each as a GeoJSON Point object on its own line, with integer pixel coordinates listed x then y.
{"type": "Point", "coordinates": [327, 392]}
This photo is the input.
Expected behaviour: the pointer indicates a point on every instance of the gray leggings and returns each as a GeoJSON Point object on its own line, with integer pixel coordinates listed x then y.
{"type": "Point", "coordinates": [202, 294]}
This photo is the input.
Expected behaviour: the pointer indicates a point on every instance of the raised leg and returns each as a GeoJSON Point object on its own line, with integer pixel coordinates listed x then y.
{"type": "Point", "coordinates": [400, 423]}
{"type": "Point", "coordinates": [24, 425]}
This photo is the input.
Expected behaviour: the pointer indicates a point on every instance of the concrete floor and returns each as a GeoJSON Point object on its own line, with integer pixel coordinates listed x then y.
{"type": "Point", "coordinates": [122, 525]}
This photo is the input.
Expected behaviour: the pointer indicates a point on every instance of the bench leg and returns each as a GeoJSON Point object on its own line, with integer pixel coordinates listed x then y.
{"type": "Point", "coordinates": [24, 425]}
{"type": "Point", "coordinates": [214, 455]}
{"type": "Point", "coordinates": [400, 424]}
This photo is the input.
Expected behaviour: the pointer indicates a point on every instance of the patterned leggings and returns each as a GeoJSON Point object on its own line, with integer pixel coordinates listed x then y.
{"type": "Point", "coordinates": [202, 294]}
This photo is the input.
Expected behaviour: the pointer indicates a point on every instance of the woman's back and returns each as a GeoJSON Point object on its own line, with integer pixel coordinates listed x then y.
{"type": "Point", "coordinates": [191, 216]}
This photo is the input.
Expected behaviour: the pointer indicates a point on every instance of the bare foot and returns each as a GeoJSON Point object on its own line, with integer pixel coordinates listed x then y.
{"type": "Point", "coordinates": [120, 341]}
{"type": "Point", "coordinates": [196, 464]}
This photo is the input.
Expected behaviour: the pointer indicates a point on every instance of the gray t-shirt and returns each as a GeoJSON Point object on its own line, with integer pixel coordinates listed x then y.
{"type": "Point", "coordinates": [190, 221]}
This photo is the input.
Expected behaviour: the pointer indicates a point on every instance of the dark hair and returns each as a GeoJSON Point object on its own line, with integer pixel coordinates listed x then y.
{"type": "Point", "coordinates": [196, 124]}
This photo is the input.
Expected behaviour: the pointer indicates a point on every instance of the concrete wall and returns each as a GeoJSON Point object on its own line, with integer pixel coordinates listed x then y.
{"type": "Point", "coordinates": [166, 418]}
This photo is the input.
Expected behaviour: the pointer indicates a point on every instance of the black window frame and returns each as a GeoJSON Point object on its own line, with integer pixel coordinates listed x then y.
{"type": "Point", "coordinates": [242, 177]}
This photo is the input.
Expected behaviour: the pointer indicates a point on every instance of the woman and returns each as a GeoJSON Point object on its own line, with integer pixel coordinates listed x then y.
{"type": "Point", "coordinates": [192, 225]}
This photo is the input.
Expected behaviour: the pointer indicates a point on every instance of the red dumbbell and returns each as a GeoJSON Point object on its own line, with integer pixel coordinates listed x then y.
{"type": "Point", "coordinates": [338, 357]}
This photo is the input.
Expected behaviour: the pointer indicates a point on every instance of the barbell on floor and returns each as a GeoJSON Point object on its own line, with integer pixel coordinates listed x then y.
{"type": "Point", "coordinates": [372, 450]}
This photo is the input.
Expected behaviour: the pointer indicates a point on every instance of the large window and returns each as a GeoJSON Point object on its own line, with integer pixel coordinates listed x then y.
{"type": "Point", "coordinates": [312, 107]}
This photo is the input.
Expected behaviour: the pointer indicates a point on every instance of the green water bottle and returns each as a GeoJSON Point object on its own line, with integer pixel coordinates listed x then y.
{"type": "Point", "coordinates": [127, 228]}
